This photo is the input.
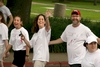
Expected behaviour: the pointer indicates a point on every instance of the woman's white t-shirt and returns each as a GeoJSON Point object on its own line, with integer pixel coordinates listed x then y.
{"type": "Point", "coordinates": [3, 33]}
{"type": "Point", "coordinates": [39, 43]}
{"type": "Point", "coordinates": [15, 39]}
{"type": "Point", "coordinates": [92, 59]}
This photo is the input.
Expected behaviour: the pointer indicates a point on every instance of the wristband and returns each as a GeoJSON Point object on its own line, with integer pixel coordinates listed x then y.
{"type": "Point", "coordinates": [27, 55]}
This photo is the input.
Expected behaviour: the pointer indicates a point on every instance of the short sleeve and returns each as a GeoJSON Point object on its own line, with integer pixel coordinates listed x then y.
{"type": "Point", "coordinates": [4, 33]}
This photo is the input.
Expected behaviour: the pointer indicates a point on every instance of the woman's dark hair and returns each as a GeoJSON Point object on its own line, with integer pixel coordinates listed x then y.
{"type": "Point", "coordinates": [3, 19]}
{"type": "Point", "coordinates": [35, 27]}
{"type": "Point", "coordinates": [87, 44]}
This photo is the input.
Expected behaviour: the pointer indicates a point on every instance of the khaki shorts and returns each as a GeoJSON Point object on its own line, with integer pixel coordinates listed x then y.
{"type": "Point", "coordinates": [38, 63]}
{"type": "Point", "coordinates": [1, 52]}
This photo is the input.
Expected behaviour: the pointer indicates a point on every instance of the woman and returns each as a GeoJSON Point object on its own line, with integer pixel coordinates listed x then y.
{"type": "Point", "coordinates": [3, 37]}
{"type": "Point", "coordinates": [92, 57]}
{"type": "Point", "coordinates": [19, 47]}
{"type": "Point", "coordinates": [40, 40]}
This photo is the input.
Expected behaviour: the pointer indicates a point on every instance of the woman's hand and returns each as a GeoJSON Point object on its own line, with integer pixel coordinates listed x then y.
{"type": "Point", "coordinates": [26, 58]}
{"type": "Point", "coordinates": [48, 13]}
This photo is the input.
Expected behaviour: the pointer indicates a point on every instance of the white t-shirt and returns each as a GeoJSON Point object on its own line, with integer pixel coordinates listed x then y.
{"type": "Point", "coordinates": [6, 12]}
{"type": "Point", "coordinates": [3, 33]}
{"type": "Point", "coordinates": [75, 37]}
{"type": "Point", "coordinates": [39, 43]}
{"type": "Point", "coordinates": [15, 39]}
{"type": "Point", "coordinates": [92, 59]}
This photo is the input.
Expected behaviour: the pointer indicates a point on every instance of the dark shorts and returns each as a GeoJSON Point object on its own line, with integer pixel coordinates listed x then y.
{"type": "Point", "coordinates": [75, 65]}
{"type": "Point", "coordinates": [19, 58]}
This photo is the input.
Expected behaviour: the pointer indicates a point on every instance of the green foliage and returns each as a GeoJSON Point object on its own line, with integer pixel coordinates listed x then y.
{"type": "Point", "coordinates": [57, 27]}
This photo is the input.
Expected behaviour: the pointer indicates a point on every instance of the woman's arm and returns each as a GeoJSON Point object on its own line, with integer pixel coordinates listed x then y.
{"type": "Point", "coordinates": [25, 40]}
{"type": "Point", "coordinates": [47, 15]}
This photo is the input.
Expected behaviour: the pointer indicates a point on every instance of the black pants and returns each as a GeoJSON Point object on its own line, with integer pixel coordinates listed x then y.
{"type": "Point", "coordinates": [75, 65]}
{"type": "Point", "coordinates": [19, 58]}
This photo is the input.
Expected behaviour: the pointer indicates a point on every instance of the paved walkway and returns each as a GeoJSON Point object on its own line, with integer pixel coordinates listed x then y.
{"type": "Point", "coordinates": [54, 57]}
{"type": "Point", "coordinates": [56, 60]}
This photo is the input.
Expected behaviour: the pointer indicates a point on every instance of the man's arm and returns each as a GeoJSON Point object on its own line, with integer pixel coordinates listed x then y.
{"type": "Point", "coordinates": [59, 40]}
{"type": "Point", "coordinates": [98, 39]}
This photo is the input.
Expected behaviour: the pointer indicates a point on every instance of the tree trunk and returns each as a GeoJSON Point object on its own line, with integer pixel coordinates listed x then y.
{"type": "Point", "coordinates": [21, 8]}
{"type": "Point", "coordinates": [95, 2]}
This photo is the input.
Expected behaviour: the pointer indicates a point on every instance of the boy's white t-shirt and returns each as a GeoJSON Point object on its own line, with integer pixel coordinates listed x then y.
{"type": "Point", "coordinates": [39, 42]}
{"type": "Point", "coordinates": [75, 38]}
{"type": "Point", "coordinates": [92, 59]}
{"type": "Point", "coordinates": [6, 12]}
{"type": "Point", "coordinates": [15, 39]}
{"type": "Point", "coordinates": [3, 33]}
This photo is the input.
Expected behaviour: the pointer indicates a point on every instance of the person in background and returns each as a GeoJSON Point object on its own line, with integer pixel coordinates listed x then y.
{"type": "Point", "coordinates": [74, 35]}
{"type": "Point", "coordinates": [7, 14]}
{"type": "Point", "coordinates": [92, 57]}
{"type": "Point", "coordinates": [40, 40]}
{"type": "Point", "coordinates": [18, 45]}
{"type": "Point", "coordinates": [3, 37]}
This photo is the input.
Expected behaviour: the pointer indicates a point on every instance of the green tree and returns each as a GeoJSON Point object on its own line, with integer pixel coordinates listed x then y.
{"type": "Point", "coordinates": [20, 7]}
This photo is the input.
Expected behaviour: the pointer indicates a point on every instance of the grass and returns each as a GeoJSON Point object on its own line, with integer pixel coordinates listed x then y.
{"type": "Point", "coordinates": [86, 5]}
{"type": "Point", "coordinates": [38, 9]}
{"type": "Point", "coordinates": [88, 10]}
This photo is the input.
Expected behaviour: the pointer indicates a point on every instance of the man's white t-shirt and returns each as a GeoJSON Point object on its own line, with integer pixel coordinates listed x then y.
{"type": "Point", "coordinates": [39, 42]}
{"type": "Point", "coordinates": [75, 37]}
{"type": "Point", "coordinates": [15, 39]}
{"type": "Point", "coordinates": [6, 12]}
{"type": "Point", "coordinates": [91, 59]}
{"type": "Point", "coordinates": [3, 33]}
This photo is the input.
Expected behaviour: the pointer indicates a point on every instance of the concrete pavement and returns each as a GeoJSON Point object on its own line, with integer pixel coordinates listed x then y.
{"type": "Point", "coordinates": [56, 60]}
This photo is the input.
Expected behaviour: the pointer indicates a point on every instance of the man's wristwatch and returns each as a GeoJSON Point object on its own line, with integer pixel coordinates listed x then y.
{"type": "Point", "coordinates": [27, 55]}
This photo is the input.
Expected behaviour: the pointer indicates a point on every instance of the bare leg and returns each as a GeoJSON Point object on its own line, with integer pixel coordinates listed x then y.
{"type": "Point", "coordinates": [24, 65]}
{"type": "Point", "coordinates": [13, 65]}
{"type": "Point", "coordinates": [1, 64]}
